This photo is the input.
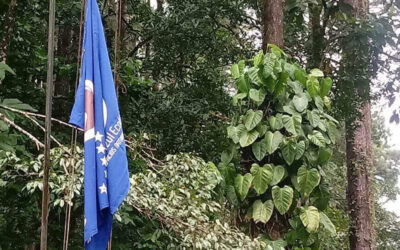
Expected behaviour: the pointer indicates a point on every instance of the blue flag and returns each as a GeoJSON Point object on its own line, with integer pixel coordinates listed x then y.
{"type": "Point", "coordinates": [106, 178]}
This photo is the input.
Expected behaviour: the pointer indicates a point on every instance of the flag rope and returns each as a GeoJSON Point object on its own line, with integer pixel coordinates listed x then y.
{"type": "Point", "coordinates": [74, 133]}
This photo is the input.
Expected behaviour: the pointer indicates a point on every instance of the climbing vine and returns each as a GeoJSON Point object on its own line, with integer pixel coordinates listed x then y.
{"type": "Point", "coordinates": [281, 143]}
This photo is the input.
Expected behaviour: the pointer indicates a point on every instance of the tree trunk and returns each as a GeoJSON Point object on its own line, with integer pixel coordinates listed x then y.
{"type": "Point", "coordinates": [317, 36]}
{"type": "Point", "coordinates": [272, 20]}
{"type": "Point", "coordinates": [7, 31]}
{"type": "Point", "coordinates": [359, 167]}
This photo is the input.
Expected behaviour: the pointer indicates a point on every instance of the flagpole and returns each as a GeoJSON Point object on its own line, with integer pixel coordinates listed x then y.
{"type": "Point", "coordinates": [49, 97]}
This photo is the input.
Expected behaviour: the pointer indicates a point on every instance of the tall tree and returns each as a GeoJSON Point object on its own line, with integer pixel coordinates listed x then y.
{"type": "Point", "coordinates": [359, 155]}
{"type": "Point", "coordinates": [272, 20]}
{"type": "Point", "coordinates": [7, 31]}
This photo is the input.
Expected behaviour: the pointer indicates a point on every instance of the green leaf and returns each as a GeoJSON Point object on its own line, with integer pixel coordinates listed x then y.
{"type": "Point", "coordinates": [326, 85]}
{"type": "Point", "coordinates": [332, 131]}
{"type": "Point", "coordinates": [300, 148]}
{"type": "Point", "coordinates": [313, 117]}
{"type": "Point", "coordinates": [7, 68]}
{"type": "Point", "coordinates": [289, 152]}
{"type": "Point", "coordinates": [307, 180]}
{"type": "Point", "coordinates": [319, 103]}
{"type": "Point", "coordinates": [292, 124]}
{"type": "Point", "coordinates": [3, 126]}
{"type": "Point", "coordinates": [270, 83]}
{"type": "Point", "coordinates": [241, 65]}
{"type": "Point", "coordinates": [278, 174]}
{"type": "Point", "coordinates": [262, 129]}
{"type": "Point", "coordinates": [235, 71]}
{"type": "Point", "coordinates": [236, 98]}
{"type": "Point", "coordinates": [262, 177]}
{"type": "Point", "coordinates": [231, 194]}
{"type": "Point", "coordinates": [301, 76]}
{"type": "Point", "coordinates": [293, 151]}
{"type": "Point", "coordinates": [228, 173]}
{"type": "Point", "coordinates": [324, 154]}
{"type": "Point", "coordinates": [281, 84]}
{"type": "Point", "coordinates": [276, 50]}
{"type": "Point", "coordinates": [17, 104]}
{"type": "Point", "coordinates": [254, 76]}
{"type": "Point", "coordinates": [243, 84]}
{"type": "Point", "coordinates": [235, 132]}
{"type": "Point", "coordinates": [262, 211]}
{"type": "Point", "coordinates": [278, 244]}
{"type": "Point", "coordinates": [242, 185]}
{"type": "Point", "coordinates": [317, 138]}
{"type": "Point", "coordinates": [273, 140]}
{"type": "Point", "coordinates": [275, 122]}
{"type": "Point", "coordinates": [283, 198]}
{"type": "Point", "coordinates": [290, 109]}
{"type": "Point", "coordinates": [257, 60]}
{"type": "Point", "coordinates": [313, 87]}
{"type": "Point", "coordinates": [252, 119]}
{"type": "Point", "coordinates": [259, 149]}
{"type": "Point", "coordinates": [248, 137]}
{"type": "Point", "coordinates": [257, 96]}
{"type": "Point", "coordinates": [310, 218]}
{"type": "Point", "coordinates": [226, 156]}
{"type": "Point", "coordinates": [300, 102]}
{"type": "Point", "coordinates": [316, 73]}
{"type": "Point", "coordinates": [296, 86]}
{"type": "Point", "coordinates": [327, 102]}
{"type": "Point", "coordinates": [327, 223]}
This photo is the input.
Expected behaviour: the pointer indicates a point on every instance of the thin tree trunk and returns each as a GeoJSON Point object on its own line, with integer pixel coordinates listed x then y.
{"type": "Point", "coordinates": [272, 20]}
{"type": "Point", "coordinates": [359, 167]}
{"type": "Point", "coordinates": [7, 31]}
{"type": "Point", "coordinates": [317, 35]}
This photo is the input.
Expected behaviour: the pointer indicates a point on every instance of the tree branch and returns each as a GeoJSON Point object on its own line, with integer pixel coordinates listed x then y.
{"type": "Point", "coordinates": [30, 136]}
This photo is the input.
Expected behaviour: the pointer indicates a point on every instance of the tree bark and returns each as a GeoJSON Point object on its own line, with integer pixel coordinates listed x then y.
{"type": "Point", "coordinates": [7, 31]}
{"type": "Point", "coordinates": [272, 19]}
{"type": "Point", "coordinates": [359, 167]}
{"type": "Point", "coordinates": [317, 35]}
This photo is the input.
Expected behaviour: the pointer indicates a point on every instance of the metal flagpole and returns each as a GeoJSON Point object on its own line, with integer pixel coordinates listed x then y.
{"type": "Point", "coordinates": [49, 97]}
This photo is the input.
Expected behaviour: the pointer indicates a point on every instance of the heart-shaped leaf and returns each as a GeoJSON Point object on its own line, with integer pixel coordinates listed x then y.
{"type": "Point", "coordinates": [283, 198]}
{"type": "Point", "coordinates": [275, 122]}
{"type": "Point", "coordinates": [242, 185]}
{"type": "Point", "coordinates": [248, 137]}
{"type": "Point", "coordinates": [273, 140]}
{"type": "Point", "coordinates": [262, 177]}
{"type": "Point", "coordinates": [326, 85]}
{"type": "Point", "coordinates": [278, 174]}
{"type": "Point", "coordinates": [293, 151]}
{"type": "Point", "coordinates": [317, 138]}
{"type": "Point", "coordinates": [292, 124]}
{"type": "Point", "coordinates": [257, 96]}
{"type": "Point", "coordinates": [307, 180]}
{"type": "Point", "coordinates": [309, 216]}
{"type": "Point", "coordinates": [235, 132]}
{"type": "Point", "coordinates": [313, 117]}
{"type": "Point", "coordinates": [313, 87]}
{"type": "Point", "coordinates": [252, 119]}
{"type": "Point", "coordinates": [262, 211]}
{"type": "Point", "coordinates": [300, 102]}
{"type": "Point", "coordinates": [259, 149]}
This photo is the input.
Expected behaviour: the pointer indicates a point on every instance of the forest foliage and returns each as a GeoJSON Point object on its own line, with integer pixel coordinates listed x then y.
{"type": "Point", "coordinates": [228, 147]}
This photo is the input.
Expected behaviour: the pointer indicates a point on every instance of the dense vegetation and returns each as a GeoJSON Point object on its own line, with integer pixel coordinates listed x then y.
{"type": "Point", "coordinates": [232, 143]}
